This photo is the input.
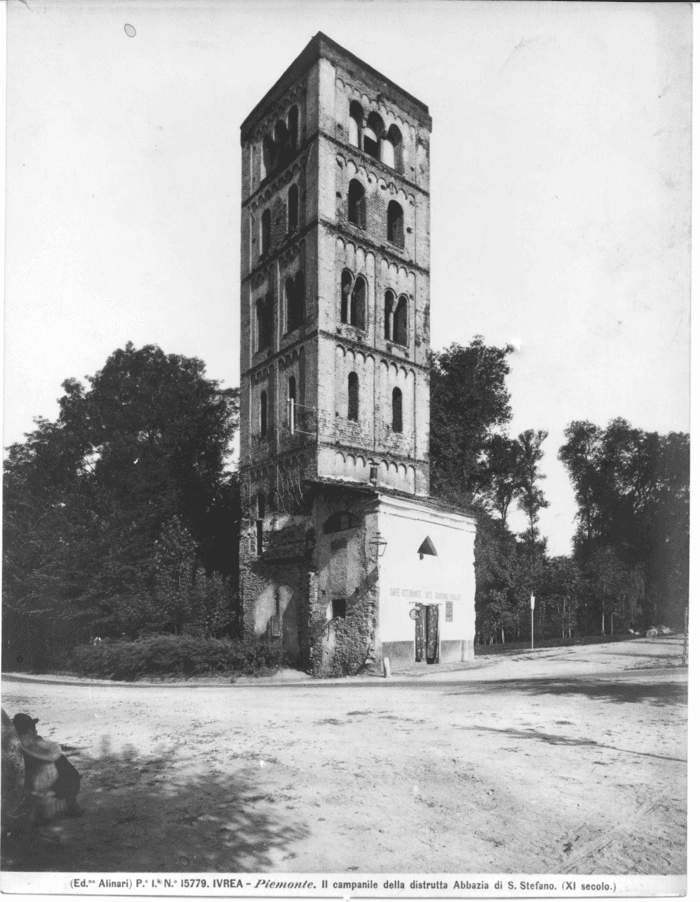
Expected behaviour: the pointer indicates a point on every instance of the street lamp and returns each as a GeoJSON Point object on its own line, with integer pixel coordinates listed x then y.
{"type": "Point", "coordinates": [379, 542]}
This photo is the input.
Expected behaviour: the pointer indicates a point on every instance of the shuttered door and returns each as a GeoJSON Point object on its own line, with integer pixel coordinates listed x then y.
{"type": "Point", "coordinates": [432, 651]}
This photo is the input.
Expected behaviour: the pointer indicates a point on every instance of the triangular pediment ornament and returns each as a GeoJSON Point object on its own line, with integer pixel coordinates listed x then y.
{"type": "Point", "coordinates": [427, 547]}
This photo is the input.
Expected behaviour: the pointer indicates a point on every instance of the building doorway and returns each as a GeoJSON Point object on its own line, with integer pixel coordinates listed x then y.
{"type": "Point", "coordinates": [427, 633]}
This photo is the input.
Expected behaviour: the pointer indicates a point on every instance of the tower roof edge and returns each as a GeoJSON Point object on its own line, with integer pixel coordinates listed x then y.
{"type": "Point", "coordinates": [321, 46]}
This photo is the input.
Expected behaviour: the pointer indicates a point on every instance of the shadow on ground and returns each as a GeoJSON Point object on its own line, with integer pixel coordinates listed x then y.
{"type": "Point", "coordinates": [556, 739]}
{"type": "Point", "coordinates": [141, 815]}
{"type": "Point", "coordinates": [658, 692]}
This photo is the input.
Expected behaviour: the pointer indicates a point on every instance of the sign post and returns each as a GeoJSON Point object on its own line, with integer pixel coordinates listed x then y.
{"type": "Point", "coordinates": [532, 621]}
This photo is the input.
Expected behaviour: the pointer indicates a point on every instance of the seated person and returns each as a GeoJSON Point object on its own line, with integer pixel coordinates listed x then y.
{"type": "Point", "coordinates": [51, 783]}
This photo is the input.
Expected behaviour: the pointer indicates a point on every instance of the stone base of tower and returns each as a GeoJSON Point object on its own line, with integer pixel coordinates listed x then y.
{"type": "Point", "coordinates": [359, 576]}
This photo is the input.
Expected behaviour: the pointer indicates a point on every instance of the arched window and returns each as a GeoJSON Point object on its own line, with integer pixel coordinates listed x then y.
{"type": "Point", "coordinates": [345, 289]}
{"type": "Point", "coordinates": [388, 311]}
{"type": "Point", "coordinates": [358, 303]}
{"type": "Point", "coordinates": [388, 156]}
{"type": "Point", "coordinates": [356, 203]}
{"type": "Point", "coordinates": [263, 316]}
{"type": "Point", "coordinates": [400, 330]}
{"type": "Point", "coordinates": [372, 135]}
{"type": "Point", "coordinates": [289, 303]}
{"type": "Point", "coordinates": [292, 403]}
{"type": "Point", "coordinates": [281, 143]}
{"type": "Point", "coordinates": [392, 149]}
{"type": "Point", "coordinates": [293, 208]}
{"type": "Point", "coordinates": [267, 156]}
{"type": "Point", "coordinates": [355, 123]}
{"type": "Point", "coordinates": [260, 505]}
{"type": "Point", "coordinates": [265, 233]}
{"type": "Point", "coordinates": [397, 410]}
{"type": "Point", "coordinates": [293, 129]}
{"type": "Point", "coordinates": [280, 132]}
{"type": "Point", "coordinates": [299, 299]}
{"type": "Point", "coordinates": [353, 397]}
{"type": "Point", "coordinates": [263, 414]}
{"type": "Point", "coordinates": [394, 223]}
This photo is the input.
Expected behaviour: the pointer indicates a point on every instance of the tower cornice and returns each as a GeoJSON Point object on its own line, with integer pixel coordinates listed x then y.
{"type": "Point", "coordinates": [323, 47]}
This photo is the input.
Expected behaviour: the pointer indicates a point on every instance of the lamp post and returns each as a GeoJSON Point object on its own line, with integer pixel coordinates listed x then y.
{"type": "Point", "coordinates": [532, 621]}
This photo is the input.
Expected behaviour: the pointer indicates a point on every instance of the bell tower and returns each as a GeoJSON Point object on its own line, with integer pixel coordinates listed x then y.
{"type": "Point", "coordinates": [335, 280]}
{"type": "Point", "coordinates": [335, 400]}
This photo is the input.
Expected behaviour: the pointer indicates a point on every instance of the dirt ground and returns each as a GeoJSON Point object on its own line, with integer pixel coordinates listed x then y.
{"type": "Point", "coordinates": [569, 760]}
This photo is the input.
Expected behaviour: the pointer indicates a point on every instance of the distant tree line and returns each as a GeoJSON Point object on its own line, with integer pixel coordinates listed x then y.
{"type": "Point", "coordinates": [630, 559]}
{"type": "Point", "coordinates": [121, 517]}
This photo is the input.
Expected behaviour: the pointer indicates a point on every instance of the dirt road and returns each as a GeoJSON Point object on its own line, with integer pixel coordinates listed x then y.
{"type": "Point", "coordinates": [561, 761]}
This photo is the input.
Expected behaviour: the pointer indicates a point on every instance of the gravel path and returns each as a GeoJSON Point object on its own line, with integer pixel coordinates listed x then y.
{"type": "Point", "coordinates": [569, 760]}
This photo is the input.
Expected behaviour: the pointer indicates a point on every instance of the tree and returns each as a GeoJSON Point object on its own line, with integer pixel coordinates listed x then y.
{"type": "Point", "coordinates": [632, 488]}
{"type": "Point", "coordinates": [580, 456]}
{"type": "Point", "coordinates": [610, 587]}
{"type": "Point", "coordinates": [561, 594]}
{"type": "Point", "coordinates": [469, 403]}
{"type": "Point", "coordinates": [504, 472]}
{"type": "Point", "coordinates": [87, 497]}
{"type": "Point", "coordinates": [531, 498]}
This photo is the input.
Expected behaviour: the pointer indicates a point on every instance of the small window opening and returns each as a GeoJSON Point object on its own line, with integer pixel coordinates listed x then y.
{"type": "Point", "coordinates": [401, 322]}
{"type": "Point", "coordinates": [292, 402]}
{"type": "Point", "coordinates": [356, 204]}
{"type": "Point", "coordinates": [267, 156]}
{"type": "Point", "coordinates": [340, 521]}
{"type": "Point", "coordinates": [299, 299]}
{"type": "Point", "coordinates": [259, 523]}
{"type": "Point", "coordinates": [358, 303]}
{"type": "Point", "coordinates": [265, 233]}
{"type": "Point", "coordinates": [293, 130]}
{"type": "Point", "coordinates": [281, 143]}
{"type": "Point", "coordinates": [392, 149]}
{"type": "Point", "coordinates": [394, 223]}
{"type": "Point", "coordinates": [388, 153]}
{"type": "Point", "coordinates": [397, 410]}
{"type": "Point", "coordinates": [371, 143]}
{"type": "Point", "coordinates": [353, 397]}
{"type": "Point", "coordinates": [345, 289]}
{"type": "Point", "coordinates": [293, 208]}
{"type": "Point", "coordinates": [388, 311]}
{"type": "Point", "coordinates": [263, 315]}
{"type": "Point", "coordinates": [372, 134]}
{"type": "Point", "coordinates": [289, 303]}
{"type": "Point", "coordinates": [355, 124]}
{"type": "Point", "coordinates": [449, 611]}
{"type": "Point", "coordinates": [263, 414]}
{"type": "Point", "coordinates": [339, 608]}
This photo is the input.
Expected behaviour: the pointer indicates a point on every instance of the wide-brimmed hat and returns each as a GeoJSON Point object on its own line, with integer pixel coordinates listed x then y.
{"type": "Point", "coordinates": [23, 722]}
{"type": "Point", "coordinates": [33, 745]}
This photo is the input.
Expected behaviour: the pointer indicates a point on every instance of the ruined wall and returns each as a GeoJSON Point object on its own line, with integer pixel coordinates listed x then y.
{"type": "Point", "coordinates": [345, 570]}
{"type": "Point", "coordinates": [275, 583]}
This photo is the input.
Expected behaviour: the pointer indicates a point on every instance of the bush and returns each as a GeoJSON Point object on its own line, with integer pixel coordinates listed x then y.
{"type": "Point", "coordinates": [182, 656]}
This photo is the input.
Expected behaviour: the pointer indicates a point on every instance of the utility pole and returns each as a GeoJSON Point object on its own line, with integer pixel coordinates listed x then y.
{"type": "Point", "coordinates": [532, 621]}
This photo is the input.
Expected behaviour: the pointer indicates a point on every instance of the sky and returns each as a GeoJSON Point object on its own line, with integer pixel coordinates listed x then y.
{"type": "Point", "coordinates": [560, 191]}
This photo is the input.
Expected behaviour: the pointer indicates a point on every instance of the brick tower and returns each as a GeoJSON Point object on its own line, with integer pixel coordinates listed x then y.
{"type": "Point", "coordinates": [335, 301]}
